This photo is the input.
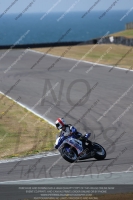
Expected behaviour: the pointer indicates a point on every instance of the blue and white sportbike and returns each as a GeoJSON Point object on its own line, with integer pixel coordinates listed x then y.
{"type": "Point", "coordinates": [72, 149]}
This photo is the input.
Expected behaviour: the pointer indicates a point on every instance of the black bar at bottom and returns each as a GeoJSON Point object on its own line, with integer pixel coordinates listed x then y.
{"type": "Point", "coordinates": [21, 192]}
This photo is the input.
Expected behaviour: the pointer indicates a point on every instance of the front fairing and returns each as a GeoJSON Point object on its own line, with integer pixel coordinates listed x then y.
{"type": "Point", "coordinates": [74, 143]}
{"type": "Point", "coordinates": [57, 141]}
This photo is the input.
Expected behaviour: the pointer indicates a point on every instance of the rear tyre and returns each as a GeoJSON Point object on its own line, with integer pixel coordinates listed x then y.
{"type": "Point", "coordinates": [69, 154]}
{"type": "Point", "coordinates": [100, 153]}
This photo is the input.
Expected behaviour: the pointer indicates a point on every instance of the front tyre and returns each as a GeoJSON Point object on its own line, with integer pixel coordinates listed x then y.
{"type": "Point", "coordinates": [100, 153]}
{"type": "Point", "coordinates": [69, 154]}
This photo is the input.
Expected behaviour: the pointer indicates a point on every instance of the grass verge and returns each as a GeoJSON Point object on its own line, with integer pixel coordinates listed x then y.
{"type": "Point", "coordinates": [126, 33]}
{"type": "Point", "coordinates": [109, 54]}
{"type": "Point", "coordinates": [30, 136]}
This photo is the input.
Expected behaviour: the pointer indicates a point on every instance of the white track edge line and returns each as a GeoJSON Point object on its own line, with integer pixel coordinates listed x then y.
{"type": "Point", "coordinates": [13, 160]}
{"type": "Point", "coordinates": [66, 177]}
{"type": "Point", "coordinates": [17, 159]}
{"type": "Point", "coordinates": [32, 156]}
{"type": "Point", "coordinates": [22, 105]}
{"type": "Point", "coordinates": [81, 61]}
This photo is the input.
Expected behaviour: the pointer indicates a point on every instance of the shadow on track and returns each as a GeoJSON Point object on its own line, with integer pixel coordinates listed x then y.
{"type": "Point", "coordinates": [94, 160]}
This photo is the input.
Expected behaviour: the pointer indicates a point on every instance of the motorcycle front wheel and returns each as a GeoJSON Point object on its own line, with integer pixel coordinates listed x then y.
{"type": "Point", "coordinates": [69, 154]}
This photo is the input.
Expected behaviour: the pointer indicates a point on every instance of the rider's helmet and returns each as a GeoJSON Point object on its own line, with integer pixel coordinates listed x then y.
{"type": "Point", "coordinates": [60, 123]}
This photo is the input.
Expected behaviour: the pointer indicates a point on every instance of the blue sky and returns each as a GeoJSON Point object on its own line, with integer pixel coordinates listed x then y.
{"type": "Point", "coordinates": [62, 5]}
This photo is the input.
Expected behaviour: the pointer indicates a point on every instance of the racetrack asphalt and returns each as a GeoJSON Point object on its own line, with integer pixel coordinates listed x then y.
{"type": "Point", "coordinates": [108, 92]}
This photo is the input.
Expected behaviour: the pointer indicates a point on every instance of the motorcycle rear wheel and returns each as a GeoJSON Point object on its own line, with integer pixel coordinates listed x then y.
{"type": "Point", "coordinates": [100, 153]}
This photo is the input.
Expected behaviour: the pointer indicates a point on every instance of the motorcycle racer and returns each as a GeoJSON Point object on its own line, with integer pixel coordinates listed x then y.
{"type": "Point", "coordinates": [68, 130]}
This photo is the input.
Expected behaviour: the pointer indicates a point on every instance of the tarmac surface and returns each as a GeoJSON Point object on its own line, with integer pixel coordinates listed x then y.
{"type": "Point", "coordinates": [100, 102]}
